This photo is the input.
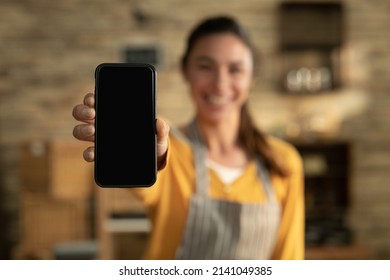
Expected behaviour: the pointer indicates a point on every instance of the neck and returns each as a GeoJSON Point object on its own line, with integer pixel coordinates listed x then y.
{"type": "Point", "coordinates": [220, 135]}
{"type": "Point", "coordinates": [221, 140]}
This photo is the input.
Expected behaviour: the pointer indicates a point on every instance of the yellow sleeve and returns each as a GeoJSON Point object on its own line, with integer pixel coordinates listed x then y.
{"type": "Point", "coordinates": [290, 244]}
{"type": "Point", "coordinates": [150, 195]}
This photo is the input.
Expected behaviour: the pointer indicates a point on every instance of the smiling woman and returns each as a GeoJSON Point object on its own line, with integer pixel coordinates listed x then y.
{"type": "Point", "coordinates": [197, 211]}
{"type": "Point", "coordinates": [220, 76]}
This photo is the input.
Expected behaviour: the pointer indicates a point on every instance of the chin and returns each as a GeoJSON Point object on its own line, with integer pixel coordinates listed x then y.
{"type": "Point", "coordinates": [214, 116]}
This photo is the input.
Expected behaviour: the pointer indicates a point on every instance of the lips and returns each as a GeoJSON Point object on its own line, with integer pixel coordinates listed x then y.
{"type": "Point", "coordinates": [217, 100]}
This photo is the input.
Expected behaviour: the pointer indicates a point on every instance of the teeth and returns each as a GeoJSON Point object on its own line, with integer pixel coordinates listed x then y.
{"type": "Point", "coordinates": [217, 100]}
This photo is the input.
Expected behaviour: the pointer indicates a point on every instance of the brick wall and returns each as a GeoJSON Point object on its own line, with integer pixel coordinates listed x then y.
{"type": "Point", "coordinates": [49, 49]}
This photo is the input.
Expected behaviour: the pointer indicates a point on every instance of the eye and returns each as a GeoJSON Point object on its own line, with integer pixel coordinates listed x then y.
{"type": "Point", "coordinates": [235, 69]}
{"type": "Point", "coordinates": [204, 67]}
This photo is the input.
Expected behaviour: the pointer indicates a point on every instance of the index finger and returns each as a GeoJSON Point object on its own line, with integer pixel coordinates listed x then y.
{"type": "Point", "coordinates": [84, 113]}
{"type": "Point", "coordinates": [89, 100]}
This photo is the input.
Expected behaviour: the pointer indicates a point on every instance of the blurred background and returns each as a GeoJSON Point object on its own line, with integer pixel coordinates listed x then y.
{"type": "Point", "coordinates": [322, 84]}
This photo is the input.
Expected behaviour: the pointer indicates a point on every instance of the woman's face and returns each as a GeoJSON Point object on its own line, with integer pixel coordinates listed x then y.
{"type": "Point", "coordinates": [219, 72]}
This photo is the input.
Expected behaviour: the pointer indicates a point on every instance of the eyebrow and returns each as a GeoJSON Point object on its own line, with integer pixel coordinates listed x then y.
{"type": "Point", "coordinates": [204, 58]}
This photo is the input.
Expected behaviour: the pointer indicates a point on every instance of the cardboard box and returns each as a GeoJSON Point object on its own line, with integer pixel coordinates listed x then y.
{"type": "Point", "coordinates": [56, 167]}
{"type": "Point", "coordinates": [47, 222]}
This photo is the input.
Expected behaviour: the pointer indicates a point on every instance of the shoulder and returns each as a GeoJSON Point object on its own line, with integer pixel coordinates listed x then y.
{"type": "Point", "coordinates": [285, 151]}
{"type": "Point", "coordinates": [289, 188]}
{"type": "Point", "coordinates": [177, 134]}
{"type": "Point", "coordinates": [179, 150]}
{"type": "Point", "coordinates": [178, 140]}
{"type": "Point", "coordinates": [281, 145]}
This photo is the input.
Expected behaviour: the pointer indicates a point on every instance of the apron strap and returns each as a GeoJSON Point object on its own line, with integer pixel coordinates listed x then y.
{"type": "Point", "coordinates": [263, 174]}
{"type": "Point", "coordinates": [199, 150]}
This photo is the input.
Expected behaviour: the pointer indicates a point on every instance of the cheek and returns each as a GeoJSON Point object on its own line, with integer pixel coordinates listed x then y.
{"type": "Point", "coordinates": [195, 86]}
{"type": "Point", "coordinates": [243, 87]}
{"type": "Point", "coordinates": [198, 82]}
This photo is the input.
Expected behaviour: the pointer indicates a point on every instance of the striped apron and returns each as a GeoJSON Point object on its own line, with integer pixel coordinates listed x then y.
{"type": "Point", "coordinates": [219, 229]}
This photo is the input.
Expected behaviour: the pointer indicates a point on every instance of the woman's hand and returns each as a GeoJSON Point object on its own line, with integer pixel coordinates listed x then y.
{"type": "Point", "coordinates": [86, 132]}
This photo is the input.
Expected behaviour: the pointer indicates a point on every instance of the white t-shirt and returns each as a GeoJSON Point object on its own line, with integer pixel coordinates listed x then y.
{"type": "Point", "coordinates": [227, 174]}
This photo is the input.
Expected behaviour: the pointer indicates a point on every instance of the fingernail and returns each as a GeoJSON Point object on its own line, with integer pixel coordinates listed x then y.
{"type": "Point", "coordinates": [89, 101]}
{"type": "Point", "coordinates": [86, 112]}
{"type": "Point", "coordinates": [89, 155]}
{"type": "Point", "coordinates": [88, 130]}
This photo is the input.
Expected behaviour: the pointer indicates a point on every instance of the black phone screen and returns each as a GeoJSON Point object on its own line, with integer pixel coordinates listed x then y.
{"type": "Point", "coordinates": [125, 134]}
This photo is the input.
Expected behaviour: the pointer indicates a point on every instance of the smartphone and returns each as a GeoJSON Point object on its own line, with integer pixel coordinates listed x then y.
{"type": "Point", "coordinates": [125, 125]}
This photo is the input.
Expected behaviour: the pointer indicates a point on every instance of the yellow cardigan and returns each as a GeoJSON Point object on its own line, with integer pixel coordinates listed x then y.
{"type": "Point", "coordinates": [168, 199]}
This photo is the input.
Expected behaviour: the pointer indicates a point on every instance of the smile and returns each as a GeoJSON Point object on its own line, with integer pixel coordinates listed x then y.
{"type": "Point", "coordinates": [217, 100]}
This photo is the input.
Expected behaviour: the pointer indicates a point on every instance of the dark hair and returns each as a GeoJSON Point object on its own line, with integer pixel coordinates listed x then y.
{"type": "Point", "coordinates": [250, 137]}
{"type": "Point", "coordinates": [221, 24]}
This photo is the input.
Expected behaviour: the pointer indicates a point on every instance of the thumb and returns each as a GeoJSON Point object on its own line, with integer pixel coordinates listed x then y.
{"type": "Point", "coordinates": [162, 131]}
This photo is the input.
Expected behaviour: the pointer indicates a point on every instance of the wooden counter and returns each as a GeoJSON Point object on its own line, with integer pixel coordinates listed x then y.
{"type": "Point", "coordinates": [349, 252]}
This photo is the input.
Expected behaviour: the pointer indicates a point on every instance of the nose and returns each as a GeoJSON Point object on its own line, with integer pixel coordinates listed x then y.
{"type": "Point", "coordinates": [221, 80]}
